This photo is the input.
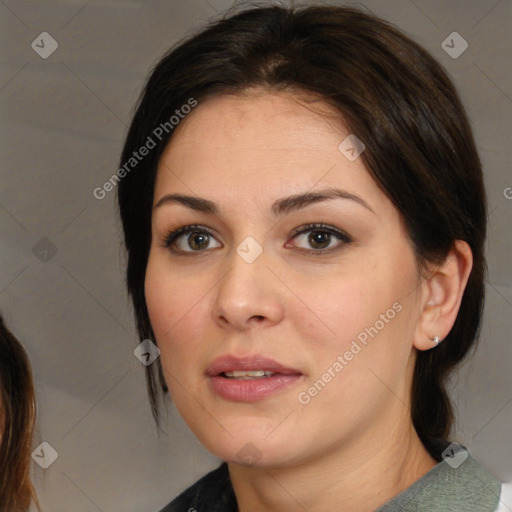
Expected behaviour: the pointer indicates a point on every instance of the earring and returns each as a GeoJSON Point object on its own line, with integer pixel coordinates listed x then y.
{"type": "Point", "coordinates": [436, 341]}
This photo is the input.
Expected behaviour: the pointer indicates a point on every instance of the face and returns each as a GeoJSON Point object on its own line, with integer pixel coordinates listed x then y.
{"type": "Point", "coordinates": [329, 309]}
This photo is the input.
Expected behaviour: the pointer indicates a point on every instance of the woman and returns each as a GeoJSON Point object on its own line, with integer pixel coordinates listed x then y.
{"type": "Point", "coordinates": [17, 418]}
{"type": "Point", "coordinates": [305, 215]}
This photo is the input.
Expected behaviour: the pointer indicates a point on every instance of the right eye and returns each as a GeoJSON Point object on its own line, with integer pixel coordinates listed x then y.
{"type": "Point", "coordinates": [197, 240]}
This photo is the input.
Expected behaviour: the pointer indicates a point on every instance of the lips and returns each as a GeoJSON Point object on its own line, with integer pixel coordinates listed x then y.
{"type": "Point", "coordinates": [266, 378]}
{"type": "Point", "coordinates": [230, 363]}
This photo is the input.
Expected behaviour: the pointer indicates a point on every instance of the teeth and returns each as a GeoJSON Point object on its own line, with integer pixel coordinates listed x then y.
{"type": "Point", "coordinates": [248, 374]}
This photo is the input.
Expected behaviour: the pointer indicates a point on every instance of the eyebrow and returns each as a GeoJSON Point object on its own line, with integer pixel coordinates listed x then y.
{"type": "Point", "coordinates": [279, 208]}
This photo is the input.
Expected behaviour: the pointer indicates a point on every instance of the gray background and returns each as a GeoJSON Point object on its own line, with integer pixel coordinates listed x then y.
{"type": "Point", "coordinates": [63, 120]}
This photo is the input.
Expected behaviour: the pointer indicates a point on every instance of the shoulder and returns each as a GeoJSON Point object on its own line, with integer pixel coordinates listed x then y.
{"type": "Point", "coordinates": [458, 484]}
{"type": "Point", "coordinates": [211, 492]}
{"type": "Point", "coordinates": [505, 504]}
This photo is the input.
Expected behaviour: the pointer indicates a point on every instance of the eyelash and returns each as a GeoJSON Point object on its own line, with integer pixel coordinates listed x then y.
{"type": "Point", "coordinates": [171, 237]}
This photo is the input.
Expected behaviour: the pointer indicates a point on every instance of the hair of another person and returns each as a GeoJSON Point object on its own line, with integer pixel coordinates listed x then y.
{"type": "Point", "coordinates": [391, 93]}
{"type": "Point", "coordinates": [18, 409]}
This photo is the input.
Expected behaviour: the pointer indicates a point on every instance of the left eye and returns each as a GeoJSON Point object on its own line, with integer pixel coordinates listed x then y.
{"type": "Point", "coordinates": [320, 236]}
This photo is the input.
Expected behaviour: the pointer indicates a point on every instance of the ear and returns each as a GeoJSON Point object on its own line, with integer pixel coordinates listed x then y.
{"type": "Point", "coordinates": [441, 296]}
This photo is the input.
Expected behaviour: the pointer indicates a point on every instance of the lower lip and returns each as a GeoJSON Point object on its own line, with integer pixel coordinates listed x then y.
{"type": "Point", "coordinates": [251, 390]}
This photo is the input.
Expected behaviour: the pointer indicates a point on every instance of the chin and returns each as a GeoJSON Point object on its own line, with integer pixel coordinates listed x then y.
{"type": "Point", "coordinates": [249, 447]}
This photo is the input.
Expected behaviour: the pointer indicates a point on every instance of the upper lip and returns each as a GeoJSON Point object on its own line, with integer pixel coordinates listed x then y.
{"type": "Point", "coordinates": [229, 363]}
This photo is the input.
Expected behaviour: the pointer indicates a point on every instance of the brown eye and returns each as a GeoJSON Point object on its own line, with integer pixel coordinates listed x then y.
{"type": "Point", "coordinates": [197, 240]}
{"type": "Point", "coordinates": [320, 238]}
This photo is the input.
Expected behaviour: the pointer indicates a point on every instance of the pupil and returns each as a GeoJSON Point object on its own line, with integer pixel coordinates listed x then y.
{"type": "Point", "coordinates": [321, 238]}
{"type": "Point", "coordinates": [194, 236]}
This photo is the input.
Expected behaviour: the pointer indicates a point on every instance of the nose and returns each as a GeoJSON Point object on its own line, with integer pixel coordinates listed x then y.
{"type": "Point", "coordinates": [249, 295]}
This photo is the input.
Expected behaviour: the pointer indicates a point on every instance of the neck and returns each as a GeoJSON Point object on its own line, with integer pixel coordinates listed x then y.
{"type": "Point", "coordinates": [358, 478]}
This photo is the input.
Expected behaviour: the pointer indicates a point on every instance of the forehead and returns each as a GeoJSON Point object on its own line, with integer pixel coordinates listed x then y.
{"type": "Point", "coordinates": [258, 119]}
{"type": "Point", "coordinates": [260, 144]}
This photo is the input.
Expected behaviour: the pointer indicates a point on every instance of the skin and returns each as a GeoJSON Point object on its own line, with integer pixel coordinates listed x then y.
{"type": "Point", "coordinates": [355, 438]}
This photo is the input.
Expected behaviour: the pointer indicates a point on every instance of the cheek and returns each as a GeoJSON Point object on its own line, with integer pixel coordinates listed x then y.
{"type": "Point", "coordinates": [176, 303]}
{"type": "Point", "coordinates": [171, 297]}
{"type": "Point", "coordinates": [366, 318]}
{"type": "Point", "coordinates": [177, 309]}
{"type": "Point", "coordinates": [160, 298]}
{"type": "Point", "coordinates": [357, 372]}
{"type": "Point", "coordinates": [341, 306]}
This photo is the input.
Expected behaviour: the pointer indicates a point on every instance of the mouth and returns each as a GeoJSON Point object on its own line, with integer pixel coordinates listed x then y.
{"type": "Point", "coordinates": [249, 367]}
{"type": "Point", "coordinates": [250, 378]}
{"type": "Point", "coordinates": [247, 374]}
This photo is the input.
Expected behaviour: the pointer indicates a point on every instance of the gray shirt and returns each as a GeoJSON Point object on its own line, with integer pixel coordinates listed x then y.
{"type": "Point", "coordinates": [466, 488]}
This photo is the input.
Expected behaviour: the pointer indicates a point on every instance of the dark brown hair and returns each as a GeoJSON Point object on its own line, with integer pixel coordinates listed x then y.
{"type": "Point", "coordinates": [391, 93]}
{"type": "Point", "coordinates": [17, 405]}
